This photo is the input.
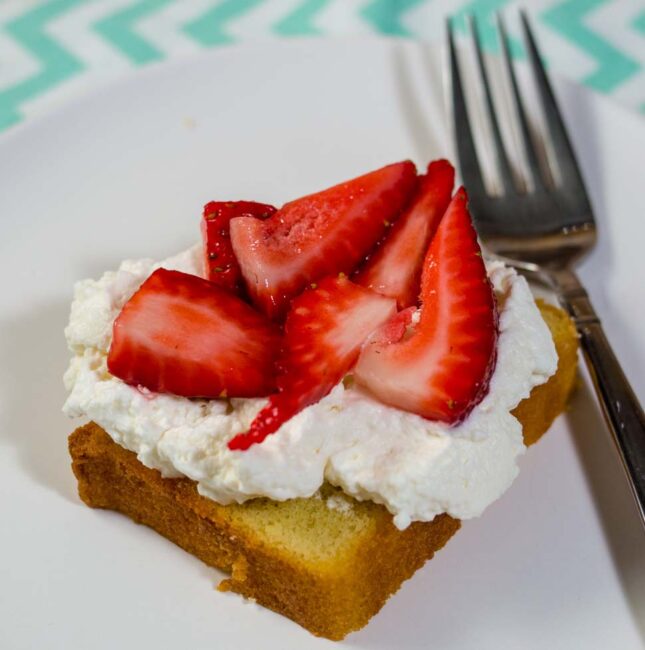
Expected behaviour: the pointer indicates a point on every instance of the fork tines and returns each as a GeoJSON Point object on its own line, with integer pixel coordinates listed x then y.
{"type": "Point", "coordinates": [569, 189]}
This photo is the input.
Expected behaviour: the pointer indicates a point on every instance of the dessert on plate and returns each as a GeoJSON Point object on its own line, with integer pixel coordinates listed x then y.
{"type": "Point", "coordinates": [314, 397]}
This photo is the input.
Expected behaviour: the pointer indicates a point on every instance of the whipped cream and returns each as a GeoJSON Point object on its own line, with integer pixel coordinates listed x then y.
{"type": "Point", "coordinates": [415, 467]}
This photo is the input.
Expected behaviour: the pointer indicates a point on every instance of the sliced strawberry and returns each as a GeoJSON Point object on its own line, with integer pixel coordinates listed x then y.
{"type": "Point", "coordinates": [318, 235]}
{"type": "Point", "coordinates": [394, 270]}
{"type": "Point", "coordinates": [219, 261]}
{"type": "Point", "coordinates": [439, 367]}
{"type": "Point", "coordinates": [183, 335]}
{"type": "Point", "coordinates": [324, 331]}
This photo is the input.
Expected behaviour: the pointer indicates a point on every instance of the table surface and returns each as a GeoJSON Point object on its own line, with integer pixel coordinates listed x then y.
{"type": "Point", "coordinates": [54, 50]}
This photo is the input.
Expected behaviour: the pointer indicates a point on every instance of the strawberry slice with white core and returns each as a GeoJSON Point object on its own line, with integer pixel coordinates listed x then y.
{"type": "Point", "coordinates": [321, 234]}
{"type": "Point", "coordinates": [220, 264]}
{"type": "Point", "coordinates": [394, 270]}
{"type": "Point", "coordinates": [181, 334]}
{"type": "Point", "coordinates": [440, 366]}
{"type": "Point", "coordinates": [324, 331]}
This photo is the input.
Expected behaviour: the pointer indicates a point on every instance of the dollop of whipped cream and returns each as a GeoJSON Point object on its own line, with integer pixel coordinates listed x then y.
{"type": "Point", "coordinates": [415, 467]}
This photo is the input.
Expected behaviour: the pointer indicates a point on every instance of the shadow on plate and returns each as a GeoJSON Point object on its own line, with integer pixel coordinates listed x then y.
{"type": "Point", "coordinates": [425, 132]}
{"type": "Point", "coordinates": [614, 504]}
{"type": "Point", "coordinates": [33, 358]}
{"type": "Point", "coordinates": [585, 124]}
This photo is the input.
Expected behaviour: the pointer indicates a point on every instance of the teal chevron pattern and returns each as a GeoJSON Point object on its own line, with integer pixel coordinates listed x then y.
{"type": "Point", "coordinates": [386, 15]}
{"type": "Point", "coordinates": [614, 67]}
{"type": "Point", "coordinates": [57, 64]}
{"type": "Point", "coordinates": [300, 21]}
{"type": "Point", "coordinates": [210, 28]}
{"type": "Point", "coordinates": [118, 28]}
{"type": "Point", "coordinates": [42, 41]}
{"type": "Point", "coordinates": [639, 22]}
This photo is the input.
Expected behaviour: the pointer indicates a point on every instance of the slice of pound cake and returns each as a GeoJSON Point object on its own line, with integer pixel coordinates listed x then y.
{"type": "Point", "coordinates": [314, 400]}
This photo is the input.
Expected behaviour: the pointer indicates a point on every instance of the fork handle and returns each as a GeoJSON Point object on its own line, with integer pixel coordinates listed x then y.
{"type": "Point", "coordinates": [620, 405]}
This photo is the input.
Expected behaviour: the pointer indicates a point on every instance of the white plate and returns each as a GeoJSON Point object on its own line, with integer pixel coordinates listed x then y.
{"type": "Point", "coordinates": [558, 562]}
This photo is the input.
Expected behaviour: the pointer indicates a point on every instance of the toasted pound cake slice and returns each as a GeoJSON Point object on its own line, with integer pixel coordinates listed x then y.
{"type": "Point", "coordinates": [328, 562]}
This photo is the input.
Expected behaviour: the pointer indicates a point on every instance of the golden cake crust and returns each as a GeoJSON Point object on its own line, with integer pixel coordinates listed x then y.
{"type": "Point", "coordinates": [330, 569]}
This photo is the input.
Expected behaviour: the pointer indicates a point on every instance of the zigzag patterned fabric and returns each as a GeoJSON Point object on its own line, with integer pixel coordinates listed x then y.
{"type": "Point", "coordinates": [52, 50]}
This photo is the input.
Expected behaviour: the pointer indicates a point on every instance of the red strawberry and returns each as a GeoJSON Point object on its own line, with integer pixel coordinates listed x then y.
{"type": "Point", "coordinates": [325, 329]}
{"type": "Point", "coordinates": [219, 261]}
{"type": "Point", "coordinates": [318, 235]}
{"type": "Point", "coordinates": [183, 335]}
{"type": "Point", "coordinates": [440, 366]}
{"type": "Point", "coordinates": [394, 270]}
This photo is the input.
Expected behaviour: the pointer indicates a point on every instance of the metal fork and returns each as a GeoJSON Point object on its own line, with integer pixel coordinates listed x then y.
{"type": "Point", "coordinates": [544, 230]}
